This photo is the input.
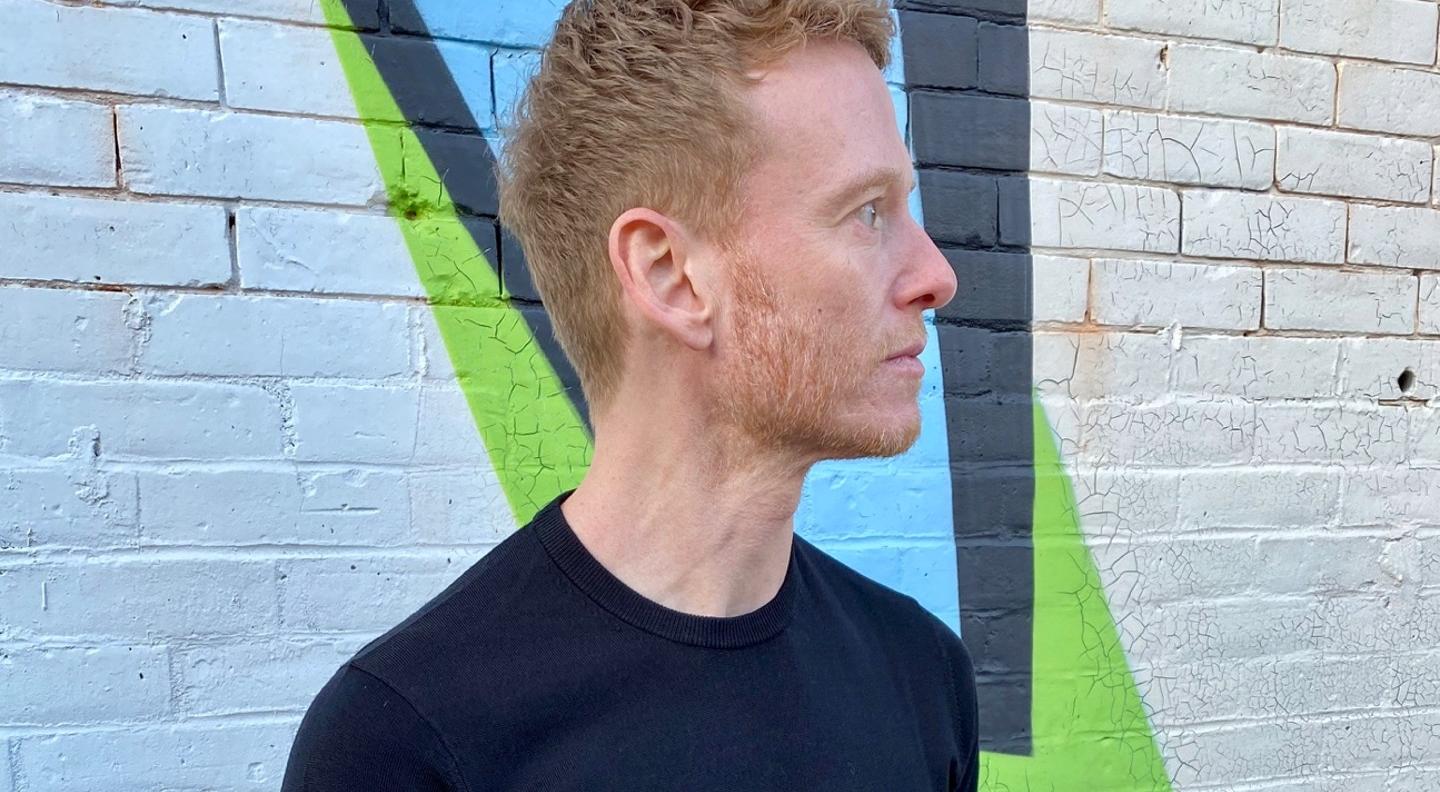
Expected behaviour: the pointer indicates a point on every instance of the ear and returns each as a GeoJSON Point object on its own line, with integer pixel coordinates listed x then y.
{"type": "Point", "coordinates": [662, 274]}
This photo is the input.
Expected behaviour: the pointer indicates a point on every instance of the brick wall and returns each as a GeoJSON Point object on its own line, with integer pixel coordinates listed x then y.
{"type": "Point", "coordinates": [238, 418]}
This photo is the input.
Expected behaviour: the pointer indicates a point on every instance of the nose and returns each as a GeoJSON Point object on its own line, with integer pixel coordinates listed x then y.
{"type": "Point", "coordinates": [929, 281]}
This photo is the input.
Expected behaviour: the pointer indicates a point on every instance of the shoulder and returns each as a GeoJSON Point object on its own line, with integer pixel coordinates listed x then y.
{"type": "Point", "coordinates": [360, 733]}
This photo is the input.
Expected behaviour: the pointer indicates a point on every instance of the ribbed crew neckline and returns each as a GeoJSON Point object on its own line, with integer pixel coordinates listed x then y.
{"type": "Point", "coordinates": [614, 595]}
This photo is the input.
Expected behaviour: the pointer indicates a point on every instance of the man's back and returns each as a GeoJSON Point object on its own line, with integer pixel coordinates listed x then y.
{"type": "Point", "coordinates": [538, 669]}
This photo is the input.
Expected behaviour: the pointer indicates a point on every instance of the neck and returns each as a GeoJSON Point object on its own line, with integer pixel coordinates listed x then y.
{"type": "Point", "coordinates": [695, 519]}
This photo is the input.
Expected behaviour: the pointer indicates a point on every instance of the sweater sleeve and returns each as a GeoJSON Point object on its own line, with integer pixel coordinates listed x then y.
{"type": "Point", "coordinates": [361, 734]}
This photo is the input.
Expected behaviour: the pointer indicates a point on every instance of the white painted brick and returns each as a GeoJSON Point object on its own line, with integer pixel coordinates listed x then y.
{"type": "Point", "coordinates": [1397, 236]}
{"type": "Point", "coordinates": [445, 432]}
{"type": "Point", "coordinates": [1370, 367]}
{"type": "Point", "coordinates": [69, 506]}
{"type": "Point", "coordinates": [1123, 503]}
{"type": "Point", "coordinates": [108, 49]}
{"type": "Point", "coordinates": [1096, 365]}
{"type": "Point", "coordinates": [59, 330]}
{"type": "Point", "coordinates": [1249, 84]}
{"type": "Point", "coordinates": [1362, 302]}
{"type": "Point", "coordinates": [7, 771]}
{"type": "Point", "coordinates": [1061, 288]}
{"type": "Point", "coordinates": [101, 683]}
{"type": "Point", "coordinates": [103, 241]}
{"type": "Point", "coordinates": [1169, 433]}
{"type": "Point", "coordinates": [1090, 67]}
{"type": "Point", "coordinates": [355, 424]}
{"type": "Point", "coordinates": [265, 676]}
{"type": "Point", "coordinates": [1064, 138]}
{"type": "Point", "coordinates": [1208, 151]}
{"type": "Point", "coordinates": [1392, 30]}
{"type": "Point", "coordinates": [147, 599]}
{"type": "Point", "coordinates": [324, 251]}
{"type": "Point", "coordinates": [288, 10]}
{"type": "Point", "coordinates": [1320, 747]}
{"type": "Point", "coordinates": [1260, 367]}
{"type": "Point", "coordinates": [176, 420]}
{"type": "Point", "coordinates": [1258, 498]}
{"type": "Point", "coordinates": [1158, 293]}
{"type": "Point", "coordinates": [1430, 303]}
{"type": "Point", "coordinates": [45, 140]}
{"type": "Point", "coordinates": [1424, 435]}
{"type": "Point", "coordinates": [1339, 434]}
{"type": "Point", "coordinates": [1392, 496]}
{"type": "Point", "coordinates": [1386, 99]}
{"type": "Point", "coordinates": [1079, 214]}
{"type": "Point", "coordinates": [1362, 166]}
{"type": "Point", "coordinates": [1228, 224]}
{"type": "Point", "coordinates": [1247, 21]}
{"type": "Point", "coordinates": [179, 151]}
{"type": "Point", "coordinates": [460, 507]}
{"type": "Point", "coordinates": [1064, 10]}
{"type": "Point", "coordinates": [363, 594]}
{"type": "Point", "coordinates": [248, 506]}
{"type": "Point", "coordinates": [435, 357]}
{"type": "Point", "coordinates": [283, 336]}
{"type": "Point", "coordinates": [249, 757]}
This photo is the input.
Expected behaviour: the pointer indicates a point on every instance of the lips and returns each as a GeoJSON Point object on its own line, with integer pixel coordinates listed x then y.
{"type": "Point", "coordinates": [910, 351]}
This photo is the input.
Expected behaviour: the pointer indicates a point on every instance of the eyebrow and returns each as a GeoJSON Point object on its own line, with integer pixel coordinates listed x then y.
{"type": "Point", "coordinates": [868, 180]}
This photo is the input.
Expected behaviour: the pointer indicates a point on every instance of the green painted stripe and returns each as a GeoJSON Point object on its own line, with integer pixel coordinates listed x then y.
{"type": "Point", "coordinates": [535, 439]}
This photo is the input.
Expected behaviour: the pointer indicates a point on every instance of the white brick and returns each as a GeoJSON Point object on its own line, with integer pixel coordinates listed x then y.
{"type": "Point", "coordinates": [324, 251]}
{"type": "Point", "coordinates": [1227, 224]}
{"type": "Point", "coordinates": [174, 151]}
{"type": "Point", "coordinates": [70, 506]}
{"type": "Point", "coordinates": [1424, 436]}
{"type": "Point", "coordinates": [147, 599]}
{"type": "Point", "coordinates": [355, 424]}
{"type": "Point", "coordinates": [445, 432]}
{"type": "Point", "coordinates": [460, 507]}
{"type": "Point", "coordinates": [1169, 433]}
{"type": "Point", "coordinates": [1117, 504]}
{"type": "Point", "coordinates": [1064, 10]}
{"type": "Point", "coordinates": [1095, 68]}
{"type": "Point", "coordinates": [277, 336]}
{"type": "Point", "coordinates": [60, 330]}
{"type": "Point", "coordinates": [1258, 498]}
{"type": "Point", "coordinates": [176, 420]}
{"type": "Point", "coordinates": [1370, 368]}
{"type": "Point", "coordinates": [1061, 288]}
{"type": "Point", "coordinates": [1247, 21]}
{"type": "Point", "coordinates": [249, 757]}
{"type": "Point", "coordinates": [1394, 497]}
{"type": "Point", "coordinates": [1249, 84]}
{"type": "Point", "coordinates": [1362, 302]}
{"type": "Point", "coordinates": [1074, 214]}
{"type": "Point", "coordinates": [1392, 30]}
{"type": "Point", "coordinates": [44, 140]}
{"type": "Point", "coordinates": [1342, 163]}
{"type": "Point", "coordinates": [248, 506]}
{"type": "Point", "coordinates": [1095, 365]}
{"type": "Point", "coordinates": [1129, 292]}
{"type": "Point", "coordinates": [1064, 138]}
{"type": "Point", "coordinates": [363, 594]}
{"type": "Point", "coordinates": [1397, 236]}
{"type": "Point", "coordinates": [101, 683]}
{"type": "Point", "coordinates": [102, 241]}
{"type": "Point", "coordinates": [1386, 99]}
{"type": "Point", "coordinates": [1206, 151]}
{"type": "Point", "coordinates": [267, 676]}
{"type": "Point", "coordinates": [288, 10]}
{"type": "Point", "coordinates": [108, 49]}
{"type": "Point", "coordinates": [1430, 304]}
{"type": "Point", "coordinates": [1259, 367]}
{"type": "Point", "coordinates": [1340, 434]}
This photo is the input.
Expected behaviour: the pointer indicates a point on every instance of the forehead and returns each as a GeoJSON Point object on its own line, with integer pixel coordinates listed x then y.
{"type": "Point", "coordinates": [825, 117]}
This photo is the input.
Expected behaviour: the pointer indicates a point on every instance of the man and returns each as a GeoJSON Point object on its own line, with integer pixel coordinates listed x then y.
{"type": "Point", "coordinates": [712, 198]}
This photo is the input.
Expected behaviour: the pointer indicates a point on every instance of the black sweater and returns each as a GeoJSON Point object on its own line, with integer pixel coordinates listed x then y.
{"type": "Point", "coordinates": [537, 669]}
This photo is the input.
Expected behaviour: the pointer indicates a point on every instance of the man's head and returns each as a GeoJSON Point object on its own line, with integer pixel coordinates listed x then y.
{"type": "Point", "coordinates": [712, 198]}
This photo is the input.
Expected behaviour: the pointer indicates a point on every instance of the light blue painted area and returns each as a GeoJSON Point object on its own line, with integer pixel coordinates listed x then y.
{"type": "Point", "coordinates": [469, 66]}
{"type": "Point", "coordinates": [508, 23]}
{"type": "Point", "coordinates": [889, 519]}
